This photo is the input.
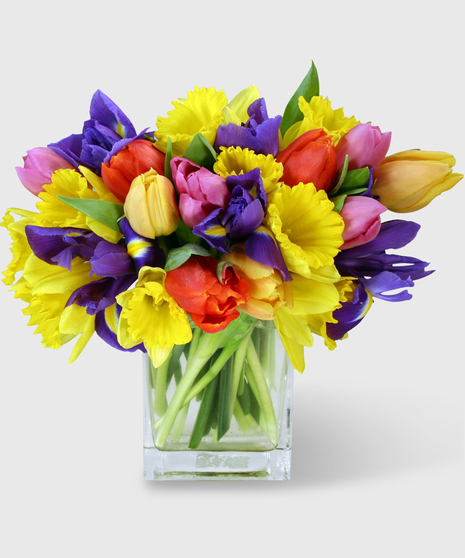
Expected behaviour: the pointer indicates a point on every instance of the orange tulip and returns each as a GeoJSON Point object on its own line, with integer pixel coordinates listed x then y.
{"type": "Point", "coordinates": [311, 158]}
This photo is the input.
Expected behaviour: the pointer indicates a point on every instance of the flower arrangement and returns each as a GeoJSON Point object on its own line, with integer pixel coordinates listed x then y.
{"type": "Point", "coordinates": [178, 242]}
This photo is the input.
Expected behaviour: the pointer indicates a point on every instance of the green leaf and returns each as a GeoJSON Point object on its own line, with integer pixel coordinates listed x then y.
{"type": "Point", "coordinates": [107, 213]}
{"type": "Point", "coordinates": [339, 202]}
{"type": "Point", "coordinates": [178, 256]}
{"type": "Point", "coordinates": [185, 235]}
{"type": "Point", "coordinates": [224, 400]}
{"type": "Point", "coordinates": [340, 180]}
{"type": "Point", "coordinates": [168, 157]}
{"type": "Point", "coordinates": [199, 151]}
{"type": "Point", "coordinates": [203, 415]}
{"type": "Point", "coordinates": [309, 88]}
{"type": "Point", "coordinates": [355, 181]}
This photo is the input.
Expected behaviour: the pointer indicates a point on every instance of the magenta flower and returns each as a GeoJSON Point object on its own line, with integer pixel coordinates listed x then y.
{"type": "Point", "coordinates": [362, 221]}
{"type": "Point", "coordinates": [39, 165]}
{"type": "Point", "coordinates": [365, 145]}
{"type": "Point", "coordinates": [200, 191]}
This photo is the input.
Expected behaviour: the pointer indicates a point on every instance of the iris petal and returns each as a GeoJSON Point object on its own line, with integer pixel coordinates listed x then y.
{"type": "Point", "coordinates": [262, 248]}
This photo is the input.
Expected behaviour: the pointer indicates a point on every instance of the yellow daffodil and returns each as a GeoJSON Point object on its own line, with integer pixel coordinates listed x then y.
{"type": "Point", "coordinates": [150, 316]}
{"type": "Point", "coordinates": [202, 112]}
{"type": "Point", "coordinates": [307, 229]}
{"type": "Point", "coordinates": [235, 161]}
{"type": "Point", "coordinates": [319, 114]}
{"type": "Point", "coordinates": [311, 301]}
{"type": "Point", "coordinates": [71, 184]}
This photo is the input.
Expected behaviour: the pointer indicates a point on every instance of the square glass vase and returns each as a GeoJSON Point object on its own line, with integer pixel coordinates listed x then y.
{"type": "Point", "coordinates": [220, 413]}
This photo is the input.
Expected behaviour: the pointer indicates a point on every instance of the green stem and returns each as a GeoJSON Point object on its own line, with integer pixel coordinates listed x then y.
{"type": "Point", "coordinates": [239, 357]}
{"type": "Point", "coordinates": [264, 396]}
{"type": "Point", "coordinates": [213, 372]}
{"type": "Point", "coordinates": [207, 345]}
{"type": "Point", "coordinates": [160, 403]}
{"type": "Point", "coordinates": [203, 416]}
{"type": "Point", "coordinates": [224, 400]}
{"type": "Point", "coordinates": [245, 422]}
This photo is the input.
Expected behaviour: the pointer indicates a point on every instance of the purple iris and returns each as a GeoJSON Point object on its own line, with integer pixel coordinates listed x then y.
{"type": "Point", "coordinates": [379, 272]}
{"type": "Point", "coordinates": [349, 315]}
{"type": "Point", "coordinates": [260, 133]}
{"type": "Point", "coordinates": [105, 133]}
{"type": "Point", "coordinates": [241, 221]}
{"type": "Point", "coordinates": [116, 265]}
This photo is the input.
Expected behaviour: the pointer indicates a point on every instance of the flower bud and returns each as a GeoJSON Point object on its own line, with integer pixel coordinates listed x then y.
{"type": "Point", "coordinates": [150, 205]}
{"type": "Point", "coordinates": [134, 159]}
{"type": "Point", "coordinates": [311, 158]}
{"type": "Point", "coordinates": [39, 165]}
{"type": "Point", "coordinates": [200, 191]}
{"type": "Point", "coordinates": [410, 180]}
{"type": "Point", "coordinates": [362, 221]}
{"type": "Point", "coordinates": [365, 145]}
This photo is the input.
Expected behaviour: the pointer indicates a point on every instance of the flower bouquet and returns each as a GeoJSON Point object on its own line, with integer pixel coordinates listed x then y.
{"type": "Point", "coordinates": [218, 245]}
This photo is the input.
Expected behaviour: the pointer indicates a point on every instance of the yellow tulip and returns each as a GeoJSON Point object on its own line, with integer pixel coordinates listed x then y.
{"type": "Point", "coordinates": [150, 205]}
{"type": "Point", "coordinates": [410, 180]}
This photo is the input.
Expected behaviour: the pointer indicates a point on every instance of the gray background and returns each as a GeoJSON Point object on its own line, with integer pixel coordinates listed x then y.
{"type": "Point", "coordinates": [378, 423]}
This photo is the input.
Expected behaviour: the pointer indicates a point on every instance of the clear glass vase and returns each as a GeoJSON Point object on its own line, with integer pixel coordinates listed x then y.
{"type": "Point", "coordinates": [220, 414]}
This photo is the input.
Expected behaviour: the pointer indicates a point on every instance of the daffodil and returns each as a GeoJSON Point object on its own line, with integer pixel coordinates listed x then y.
{"type": "Point", "coordinates": [235, 161]}
{"type": "Point", "coordinates": [319, 114]}
{"type": "Point", "coordinates": [312, 300]}
{"type": "Point", "coordinates": [307, 229]}
{"type": "Point", "coordinates": [201, 112]}
{"type": "Point", "coordinates": [71, 184]}
{"type": "Point", "coordinates": [151, 316]}
{"type": "Point", "coordinates": [236, 110]}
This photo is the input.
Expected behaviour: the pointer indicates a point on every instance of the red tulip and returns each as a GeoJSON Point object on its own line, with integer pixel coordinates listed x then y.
{"type": "Point", "coordinates": [311, 158]}
{"type": "Point", "coordinates": [211, 304]}
{"type": "Point", "coordinates": [134, 159]}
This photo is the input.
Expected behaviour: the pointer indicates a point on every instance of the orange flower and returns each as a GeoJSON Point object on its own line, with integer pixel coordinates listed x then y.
{"type": "Point", "coordinates": [268, 291]}
{"type": "Point", "coordinates": [211, 303]}
{"type": "Point", "coordinates": [311, 158]}
{"type": "Point", "coordinates": [134, 159]}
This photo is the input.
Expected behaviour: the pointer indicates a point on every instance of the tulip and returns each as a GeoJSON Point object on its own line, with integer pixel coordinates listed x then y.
{"type": "Point", "coordinates": [311, 158]}
{"type": "Point", "coordinates": [211, 303]}
{"type": "Point", "coordinates": [410, 180]}
{"type": "Point", "coordinates": [134, 159]}
{"type": "Point", "coordinates": [200, 191]}
{"type": "Point", "coordinates": [365, 145]}
{"type": "Point", "coordinates": [268, 291]}
{"type": "Point", "coordinates": [362, 221]}
{"type": "Point", "coordinates": [150, 205]}
{"type": "Point", "coordinates": [39, 165]}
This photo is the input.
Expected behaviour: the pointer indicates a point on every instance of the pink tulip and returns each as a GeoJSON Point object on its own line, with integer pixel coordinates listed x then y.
{"type": "Point", "coordinates": [365, 145]}
{"type": "Point", "coordinates": [200, 191]}
{"type": "Point", "coordinates": [362, 221]}
{"type": "Point", "coordinates": [39, 165]}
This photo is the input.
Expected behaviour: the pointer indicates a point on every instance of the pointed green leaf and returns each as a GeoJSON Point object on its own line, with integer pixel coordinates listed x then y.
{"type": "Point", "coordinates": [309, 87]}
{"type": "Point", "coordinates": [341, 177]}
{"type": "Point", "coordinates": [339, 202]}
{"type": "Point", "coordinates": [355, 181]}
{"type": "Point", "coordinates": [178, 256]}
{"type": "Point", "coordinates": [107, 213]}
{"type": "Point", "coordinates": [168, 157]}
{"type": "Point", "coordinates": [199, 151]}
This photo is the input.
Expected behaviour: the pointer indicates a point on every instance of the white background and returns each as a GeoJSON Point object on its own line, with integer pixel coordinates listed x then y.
{"type": "Point", "coordinates": [378, 437]}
